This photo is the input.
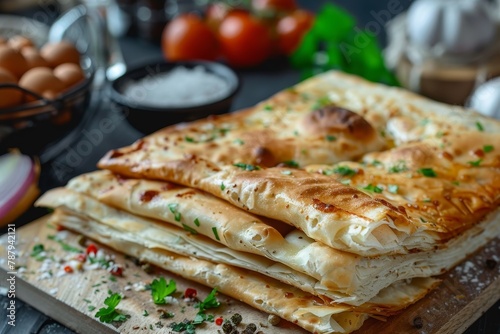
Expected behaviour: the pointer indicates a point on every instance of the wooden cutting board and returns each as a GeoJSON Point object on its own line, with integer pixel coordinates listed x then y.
{"type": "Point", "coordinates": [73, 299]}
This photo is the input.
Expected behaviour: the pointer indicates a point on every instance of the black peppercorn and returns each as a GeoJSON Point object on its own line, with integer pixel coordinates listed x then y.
{"type": "Point", "coordinates": [236, 319]}
{"type": "Point", "coordinates": [418, 323]}
{"type": "Point", "coordinates": [227, 327]}
{"type": "Point", "coordinates": [250, 329]}
{"type": "Point", "coordinates": [491, 264]}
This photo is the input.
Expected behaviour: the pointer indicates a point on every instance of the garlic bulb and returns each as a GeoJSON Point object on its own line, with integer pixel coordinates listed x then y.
{"type": "Point", "coordinates": [450, 26]}
{"type": "Point", "coordinates": [486, 98]}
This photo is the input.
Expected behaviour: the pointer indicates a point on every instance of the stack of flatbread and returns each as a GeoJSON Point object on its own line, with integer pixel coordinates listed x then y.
{"type": "Point", "coordinates": [333, 201]}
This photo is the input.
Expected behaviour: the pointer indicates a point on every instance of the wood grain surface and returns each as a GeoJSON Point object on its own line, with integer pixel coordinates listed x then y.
{"type": "Point", "coordinates": [73, 299]}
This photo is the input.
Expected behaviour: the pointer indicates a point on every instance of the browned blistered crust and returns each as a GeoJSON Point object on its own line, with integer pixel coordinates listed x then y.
{"type": "Point", "coordinates": [372, 127]}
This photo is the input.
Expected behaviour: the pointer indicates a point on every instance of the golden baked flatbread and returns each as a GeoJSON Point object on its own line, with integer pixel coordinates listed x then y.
{"type": "Point", "coordinates": [115, 224]}
{"type": "Point", "coordinates": [287, 255]}
{"type": "Point", "coordinates": [299, 307]}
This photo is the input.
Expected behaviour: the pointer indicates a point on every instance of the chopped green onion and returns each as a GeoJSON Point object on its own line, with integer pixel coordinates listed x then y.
{"type": "Point", "coordinates": [475, 163]}
{"type": "Point", "coordinates": [197, 222]}
{"type": "Point", "coordinates": [189, 229]}
{"type": "Point", "coordinates": [216, 234]}
{"type": "Point", "coordinates": [331, 138]}
{"type": "Point", "coordinates": [479, 126]}
{"type": "Point", "coordinates": [428, 172]}
{"type": "Point", "coordinates": [373, 188]}
{"type": "Point", "coordinates": [488, 148]}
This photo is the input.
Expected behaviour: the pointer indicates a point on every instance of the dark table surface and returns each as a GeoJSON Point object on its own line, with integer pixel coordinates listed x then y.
{"type": "Point", "coordinates": [258, 84]}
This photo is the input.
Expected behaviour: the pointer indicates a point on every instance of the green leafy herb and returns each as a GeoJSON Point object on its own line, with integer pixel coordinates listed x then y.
{"type": "Point", "coordinates": [189, 139]}
{"type": "Point", "coordinates": [479, 126]}
{"type": "Point", "coordinates": [456, 183]}
{"type": "Point", "coordinates": [376, 163]}
{"type": "Point", "coordinates": [321, 102]}
{"type": "Point", "coordinates": [476, 163]}
{"type": "Point", "coordinates": [393, 188]}
{"type": "Point", "coordinates": [189, 229]}
{"type": "Point", "coordinates": [330, 138]}
{"type": "Point", "coordinates": [87, 301]}
{"type": "Point", "coordinates": [65, 246]}
{"type": "Point", "coordinates": [216, 234]}
{"type": "Point", "coordinates": [427, 200]}
{"type": "Point", "coordinates": [187, 326]}
{"type": "Point", "coordinates": [91, 308]}
{"type": "Point", "coordinates": [197, 222]}
{"type": "Point", "coordinates": [428, 172]}
{"type": "Point", "coordinates": [246, 166]}
{"type": "Point", "coordinates": [112, 278]}
{"type": "Point", "coordinates": [344, 171]}
{"type": "Point", "coordinates": [222, 186]}
{"type": "Point", "coordinates": [373, 188]}
{"type": "Point", "coordinates": [37, 252]}
{"type": "Point", "coordinates": [209, 302]}
{"type": "Point", "coordinates": [173, 208]}
{"type": "Point", "coordinates": [109, 314]}
{"type": "Point", "coordinates": [145, 313]}
{"type": "Point", "coordinates": [399, 167]}
{"type": "Point", "coordinates": [268, 107]}
{"type": "Point", "coordinates": [424, 122]}
{"type": "Point", "coordinates": [160, 289]}
{"type": "Point", "coordinates": [166, 315]}
{"type": "Point", "coordinates": [488, 148]}
{"type": "Point", "coordinates": [291, 163]}
{"type": "Point", "coordinates": [296, 133]}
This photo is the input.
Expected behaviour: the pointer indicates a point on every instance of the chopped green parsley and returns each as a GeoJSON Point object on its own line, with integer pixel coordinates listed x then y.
{"type": "Point", "coordinates": [428, 172]}
{"type": "Point", "coordinates": [373, 188]}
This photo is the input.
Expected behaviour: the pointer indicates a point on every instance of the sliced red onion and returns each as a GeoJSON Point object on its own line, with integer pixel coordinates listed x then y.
{"type": "Point", "coordinates": [17, 173]}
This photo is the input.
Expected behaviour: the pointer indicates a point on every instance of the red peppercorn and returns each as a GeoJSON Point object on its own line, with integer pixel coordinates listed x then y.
{"type": "Point", "coordinates": [81, 257]}
{"type": "Point", "coordinates": [218, 321]}
{"type": "Point", "coordinates": [68, 269]}
{"type": "Point", "coordinates": [190, 293]}
{"type": "Point", "coordinates": [91, 249]}
{"type": "Point", "coordinates": [116, 271]}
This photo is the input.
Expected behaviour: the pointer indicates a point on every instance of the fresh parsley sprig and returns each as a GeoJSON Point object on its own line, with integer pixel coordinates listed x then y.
{"type": "Point", "coordinates": [209, 302]}
{"type": "Point", "coordinates": [160, 289]}
{"type": "Point", "coordinates": [110, 314]}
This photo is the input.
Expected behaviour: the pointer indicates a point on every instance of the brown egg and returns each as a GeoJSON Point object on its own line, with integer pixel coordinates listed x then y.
{"type": "Point", "coordinates": [33, 57]}
{"type": "Point", "coordinates": [19, 42]}
{"type": "Point", "coordinates": [59, 53]}
{"type": "Point", "coordinates": [9, 97]}
{"type": "Point", "coordinates": [41, 80]}
{"type": "Point", "coordinates": [13, 61]}
{"type": "Point", "coordinates": [70, 74]}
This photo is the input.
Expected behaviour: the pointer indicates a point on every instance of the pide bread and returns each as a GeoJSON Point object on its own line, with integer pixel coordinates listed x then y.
{"type": "Point", "coordinates": [349, 195]}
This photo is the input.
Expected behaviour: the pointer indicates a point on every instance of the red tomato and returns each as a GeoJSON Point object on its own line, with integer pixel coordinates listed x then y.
{"type": "Point", "coordinates": [116, 271]}
{"type": "Point", "coordinates": [274, 5]}
{"type": "Point", "coordinates": [91, 249]}
{"type": "Point", "coordinates": [68, 269]}
{"type": "Point", "coordinates": [245, 40]}
{"type": "Point", "coordinates": [292, 28]}
{"type": "Point", "coordinates": [188, 37]}
{"type": "Point", "coordinates": [190, 293]}
{"type": "Point", "coordinates": [219, 321]}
